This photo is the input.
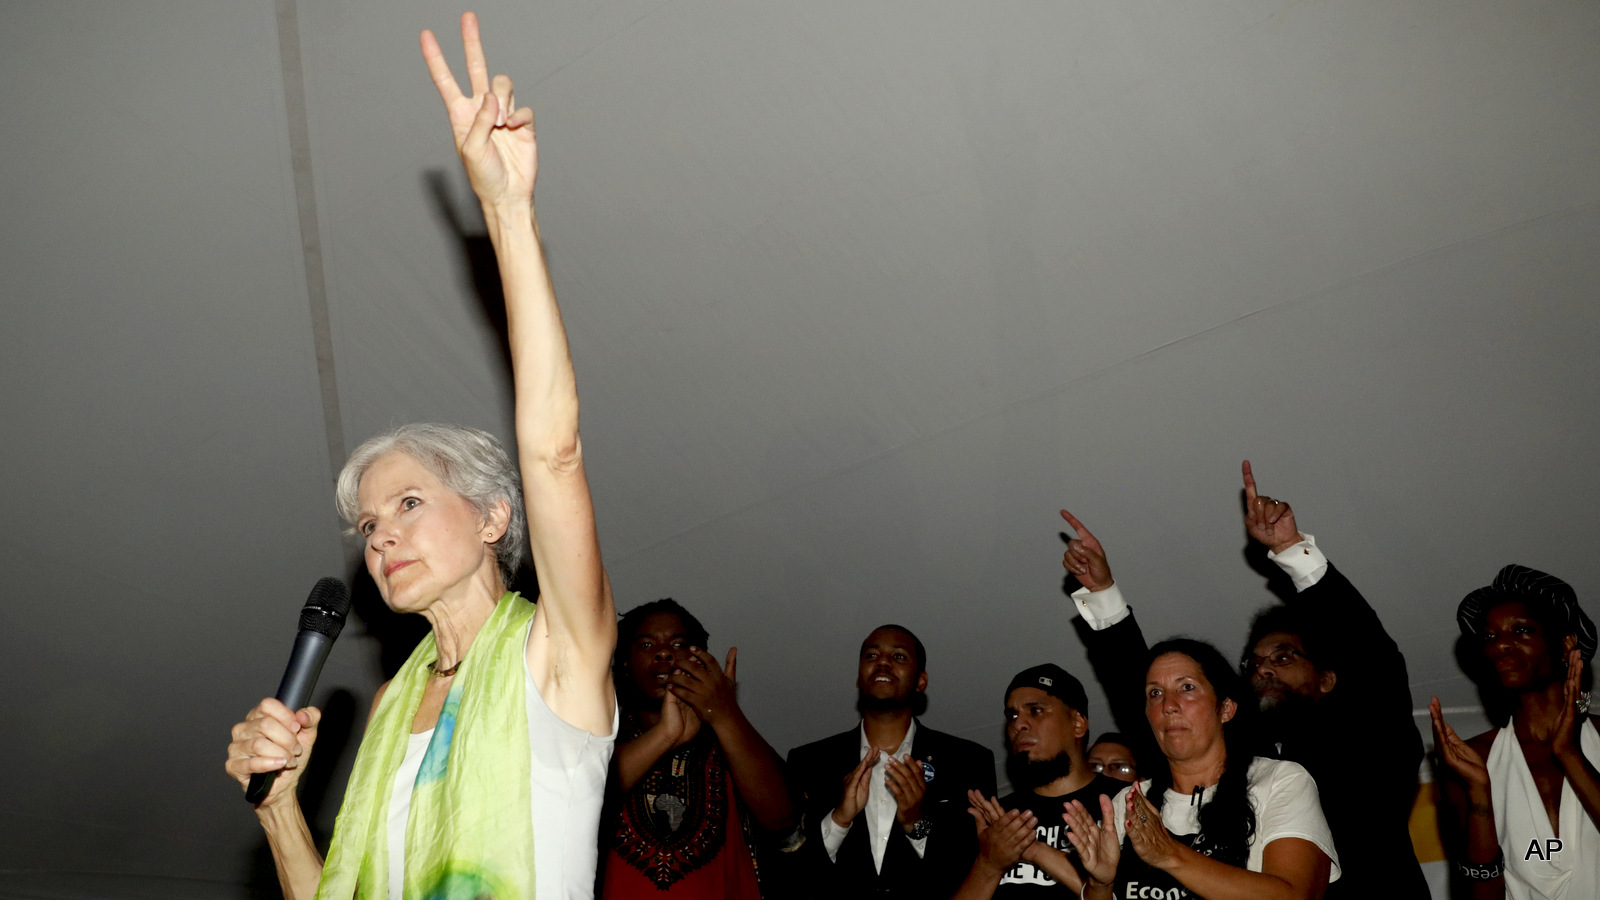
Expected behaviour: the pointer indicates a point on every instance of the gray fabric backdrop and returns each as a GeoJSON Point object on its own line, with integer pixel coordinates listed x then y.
{"type": "Point", "coordinates": [859, 295]}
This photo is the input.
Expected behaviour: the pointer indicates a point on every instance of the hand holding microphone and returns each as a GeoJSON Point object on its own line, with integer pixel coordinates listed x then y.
{"type": "Point", "coordinates": [272, 745]}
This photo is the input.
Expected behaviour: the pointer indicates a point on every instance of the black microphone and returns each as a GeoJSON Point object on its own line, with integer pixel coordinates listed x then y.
{"type": "Point", "coordinates": [320, 622]}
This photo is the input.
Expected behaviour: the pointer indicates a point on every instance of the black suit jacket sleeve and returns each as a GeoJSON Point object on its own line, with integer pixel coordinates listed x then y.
{"type": "Point", "coordinates": [959, 766]}
{"type": "Point", "coordinates": [1117, 655]}
{"type": "Point", "coordinates": [811, 770]}
{"type": "Point", "coordinates": [1371, 669]}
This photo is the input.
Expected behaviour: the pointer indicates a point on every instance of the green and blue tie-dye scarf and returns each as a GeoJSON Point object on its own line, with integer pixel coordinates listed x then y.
{"type": "Point", "coordinates": [470, 832]}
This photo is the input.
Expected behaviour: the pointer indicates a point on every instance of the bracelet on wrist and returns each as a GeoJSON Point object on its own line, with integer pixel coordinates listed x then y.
{"type": "Point", "coordinates": [1488, 871]}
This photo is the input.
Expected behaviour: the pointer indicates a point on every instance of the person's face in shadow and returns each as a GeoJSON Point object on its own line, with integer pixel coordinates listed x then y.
{"type": "Point", "coordinates": [1281, 673]}
{"type": "Point", "coordinates": [1520, 650]}
{"type": "Point", "coordinates": [654, 650]}
{"type": "Point", "coordinates": [1113, 760]}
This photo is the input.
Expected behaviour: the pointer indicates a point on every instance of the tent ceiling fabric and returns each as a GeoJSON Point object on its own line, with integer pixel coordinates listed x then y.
{"type": "Point", "coordinates": [859, 295]}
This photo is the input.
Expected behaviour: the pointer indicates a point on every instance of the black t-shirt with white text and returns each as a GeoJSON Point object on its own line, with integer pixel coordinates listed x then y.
{"type": "Point", "coordinates": [1024, 879]}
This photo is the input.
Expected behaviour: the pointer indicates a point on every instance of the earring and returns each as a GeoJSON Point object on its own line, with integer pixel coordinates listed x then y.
{"type": "Point", "coordinates": [1583, 703]}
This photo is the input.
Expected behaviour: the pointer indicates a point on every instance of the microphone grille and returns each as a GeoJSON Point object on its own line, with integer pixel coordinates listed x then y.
{"type": "Point", "coordinates": [326, 608]}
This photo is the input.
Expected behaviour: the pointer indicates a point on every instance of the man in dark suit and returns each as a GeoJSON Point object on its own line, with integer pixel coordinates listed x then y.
{"type": "Point", "coordinates": [1330, 682]}
{"type": "Point", "coordinates": [885, 803]}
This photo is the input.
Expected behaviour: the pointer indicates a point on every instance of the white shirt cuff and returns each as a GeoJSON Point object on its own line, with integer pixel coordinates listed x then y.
{"type": "Point", "coordinates": [919, 846]}
{"type": "Point", "coordinates": [1303, 562]}
{"type": "Point", "coordinates": [833, 835]}
{"type": "Point", "coordinates": [1101, 609]}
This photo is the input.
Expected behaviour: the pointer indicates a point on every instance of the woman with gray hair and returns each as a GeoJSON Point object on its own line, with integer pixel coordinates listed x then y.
{"type": "Point", "coordinates": [484, 762]}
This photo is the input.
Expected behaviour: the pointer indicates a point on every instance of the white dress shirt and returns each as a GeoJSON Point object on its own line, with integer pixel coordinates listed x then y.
{"type": "Point", "coordinates": [880, 808]}
{"type": "Point", "coordinates": [1303, 563]}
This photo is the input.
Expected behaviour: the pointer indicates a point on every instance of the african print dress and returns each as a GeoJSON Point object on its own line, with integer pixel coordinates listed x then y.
{"type": "Point", "coordinates": [681, 832]}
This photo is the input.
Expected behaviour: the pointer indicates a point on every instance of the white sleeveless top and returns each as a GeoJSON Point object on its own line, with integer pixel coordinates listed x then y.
{"type": "Point", "coordinates": [1573, 871]}
{"type": "Point", "coordinates": [567, 782]}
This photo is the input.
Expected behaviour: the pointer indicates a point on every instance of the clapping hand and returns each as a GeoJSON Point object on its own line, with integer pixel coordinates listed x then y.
{"type": "Point", "coordinates": [1269, 521]}
{"type": "Point", "coordinates": [1564, 737]}
{"type": "Point", "coordinates": [991, 811]}
{"type": "Point", "coordinates": [493, 138]}
{"type": "Point", "coordinates": [1085, 558]}
{"type": "Point", "coordinates": [678, 722]}
{"type": "Point", "coordinates": [705, 687]}
{"type": "Point", "coordinates": [906, 783]}
{"type": "Point", "coordinates": [853, 797]}
{"type": "Point", "coordinates": [987, 807]}
{"type": "Point", "coordinates": [1148, 834]}
{"type": "Point", "coordinates": [1456, 753]}
{"type": "Point", "coordinates": [1003, 842]}
{"type": "Point", "coordinates": [1098, 848]}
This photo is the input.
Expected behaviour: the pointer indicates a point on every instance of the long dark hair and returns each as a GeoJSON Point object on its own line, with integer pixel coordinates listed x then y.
{"type": "Point", "coordinates": [1227, 821]}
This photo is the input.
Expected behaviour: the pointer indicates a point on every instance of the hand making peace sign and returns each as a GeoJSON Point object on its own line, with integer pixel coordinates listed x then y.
{"type": "Point", "coordinates": [494, 139]}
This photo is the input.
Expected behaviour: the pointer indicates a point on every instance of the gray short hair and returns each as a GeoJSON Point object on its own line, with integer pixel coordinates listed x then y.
{"type": "Point", "coordinates": [468, 461]}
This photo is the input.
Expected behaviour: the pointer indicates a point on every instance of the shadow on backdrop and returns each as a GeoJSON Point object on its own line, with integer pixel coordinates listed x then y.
{"type": "Point", "coordinates": [481, 270]}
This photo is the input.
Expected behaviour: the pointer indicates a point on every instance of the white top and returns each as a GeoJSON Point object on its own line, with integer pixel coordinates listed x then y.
{"type": "Point", "coordinates": [400, 808]}
{"type": "Point", "coordinates": [880, 808]}
{"type": "Point", "coordinates": [1534, 868]}
{"type": "Point", "coordinates": [567, 782]}
{"type": "Point", "coordinates": [1283, 794]}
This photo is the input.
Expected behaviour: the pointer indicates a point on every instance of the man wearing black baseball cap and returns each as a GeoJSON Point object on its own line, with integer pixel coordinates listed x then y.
{"type": "Point", "coordinates": [1023, 850]}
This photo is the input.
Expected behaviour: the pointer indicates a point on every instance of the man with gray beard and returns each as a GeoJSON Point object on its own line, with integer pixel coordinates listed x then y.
{"type": "Point", "coordinates": [1331, 684]}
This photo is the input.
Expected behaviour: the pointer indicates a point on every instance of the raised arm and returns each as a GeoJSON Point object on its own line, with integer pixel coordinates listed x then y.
{"type": "Point", "coordinates": [1342, 616]}
{"type": "Point", "coordinates": [570, 646]}
{"type": "Point", "coordinates": [1116, 651]}
{"type": "Point", "coordinates": [1269, 521]}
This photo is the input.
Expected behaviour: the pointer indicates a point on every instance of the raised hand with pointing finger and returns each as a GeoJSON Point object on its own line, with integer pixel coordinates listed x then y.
{"type": "Point", "coordinates": [1085, 558]}
{"type": "Point", "coordinates": [1270, 522]}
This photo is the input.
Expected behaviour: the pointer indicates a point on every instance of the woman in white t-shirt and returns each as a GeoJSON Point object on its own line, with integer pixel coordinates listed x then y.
{"type": "Point", "coordinates": [1218, 822]}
